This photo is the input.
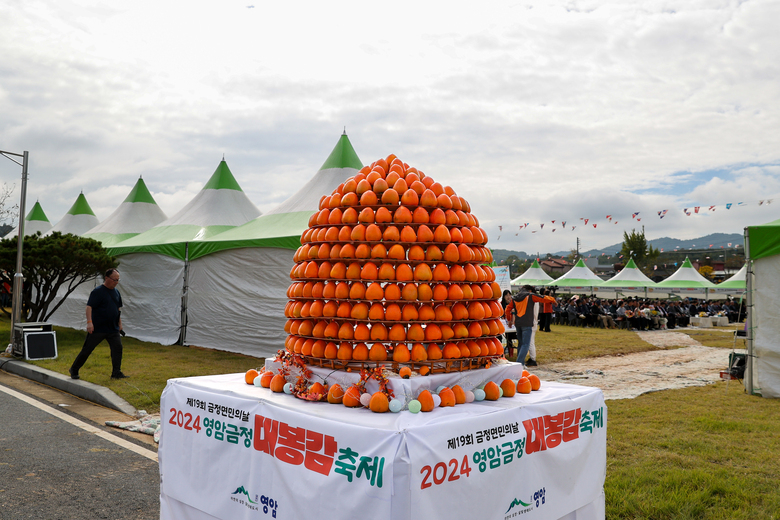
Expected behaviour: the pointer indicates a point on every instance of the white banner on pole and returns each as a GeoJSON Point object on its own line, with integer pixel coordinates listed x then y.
{"type": "Point", "coordinates": [502, 277]}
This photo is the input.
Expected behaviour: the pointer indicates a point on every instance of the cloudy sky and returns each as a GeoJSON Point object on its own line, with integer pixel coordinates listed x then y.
{"type": "Point", "coordinates": [533, 111]}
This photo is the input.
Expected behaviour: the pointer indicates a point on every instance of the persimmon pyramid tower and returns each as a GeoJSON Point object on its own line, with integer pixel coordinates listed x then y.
{"type": "Point", "coordinates": [392, 266]}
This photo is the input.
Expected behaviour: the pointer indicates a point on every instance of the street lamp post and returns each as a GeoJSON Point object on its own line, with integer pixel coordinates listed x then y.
{"type": "Point", "coordinates": [16, 306]}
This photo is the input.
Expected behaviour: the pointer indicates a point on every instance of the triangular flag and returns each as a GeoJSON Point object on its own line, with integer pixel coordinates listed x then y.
{"type": "Point", "coordinates": [729, 244]}
{"type": "Point", "coordinates": [711, 208]}
{"type": "Point", "coordinates": [594, 225]}
{"type": "Point", "coordinates": [553, 222]}
{"type": "Point", "coordinates": [541, 226]}
{"type": "Point", "coordinates": [586, 220]}
{"type": "Point", "coordinates": [553, 230]}
{"type": "Point", "coordinates": [609, 217]}
{"type": "Point", "coordinates": [696, 208]}
{"type": "Point", "coordinates": [633, 215]}
{"type": "Point", "coordinates": [728, 206]}
{"type": "Point", "coordinates": [500, 228]}
{"type": "Point", "coordinates": [563, 222]}
{"type": "Point", "coordinates": [760, 202]}
{"type": "Point", "coordinates": [639, 220]}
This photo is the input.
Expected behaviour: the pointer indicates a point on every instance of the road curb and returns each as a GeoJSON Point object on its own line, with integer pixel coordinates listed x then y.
{"type": "Point", "coordinates": [84, 389]}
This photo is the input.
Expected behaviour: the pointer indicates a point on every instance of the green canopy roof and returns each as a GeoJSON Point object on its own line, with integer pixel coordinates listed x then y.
{"type": "Point", "coordinates": [282, 226]}
{"type": "Point", "coordinates": [140, 193]}
{"type": "Point", "coordinates": [342, 156]}
{"type": "Point", "coordinates": [36, 213]}
{"type": "Point", "coordinates": [578, 276]}
{"type": "Point", "coordinates": [764, 240]}
{"type": "Point", "coordinates": [686, 277]}
{"type": "Point", "coordinates": [222, 179]}
{"type": "Point", "coordinates": [81, 206]}
{"type": "Point", "coordinates": [276, 230]}
{"type": "Point", "coordinates": [221, 205]}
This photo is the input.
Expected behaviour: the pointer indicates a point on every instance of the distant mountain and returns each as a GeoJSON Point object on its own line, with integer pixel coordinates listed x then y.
{"type": "Point", "coordinates": [499, 255]}
{"type": "Point", "coordinates": [669, 244]}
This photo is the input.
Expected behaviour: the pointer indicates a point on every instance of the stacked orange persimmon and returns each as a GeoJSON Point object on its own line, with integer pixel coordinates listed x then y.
{"type": "Point", "coordinates": [392, 266]}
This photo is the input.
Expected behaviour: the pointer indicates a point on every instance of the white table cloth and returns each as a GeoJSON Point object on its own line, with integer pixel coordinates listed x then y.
{"type": "Point", "coordinates": [229, 450]}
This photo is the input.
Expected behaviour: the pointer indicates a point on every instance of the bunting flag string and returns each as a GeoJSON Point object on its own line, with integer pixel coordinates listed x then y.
{"type": "Point", "coordinates": [688, 211]}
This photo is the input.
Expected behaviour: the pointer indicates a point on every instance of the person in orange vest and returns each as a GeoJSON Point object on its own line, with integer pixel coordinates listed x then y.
{"type": "Point", "coordinates": [520, 313]}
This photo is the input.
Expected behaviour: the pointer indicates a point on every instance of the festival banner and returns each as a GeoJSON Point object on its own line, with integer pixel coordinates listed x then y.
{"type": "Point", "coordinates": [238, 458]}
{"type": "Point", "coordinates": [502, 277]}
{"type": "Point", "coordinates": [539, 461]}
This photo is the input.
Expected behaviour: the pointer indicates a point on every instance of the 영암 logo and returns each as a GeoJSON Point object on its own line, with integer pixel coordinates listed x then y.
{"type": "Point", "coordinates": [517, 502]}
{"type": "Point", "coordinates": [242, 491]}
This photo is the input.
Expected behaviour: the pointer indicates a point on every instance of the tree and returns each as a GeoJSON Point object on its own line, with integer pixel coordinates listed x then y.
{"type": "Point", "coordinates": [50, 263]}
{"type": "Point", "coordinates": [7, 212]}
{"type": "Point", "coordinates": [706, 271]}
{"type": "Point", "coordinates": [635, 246]}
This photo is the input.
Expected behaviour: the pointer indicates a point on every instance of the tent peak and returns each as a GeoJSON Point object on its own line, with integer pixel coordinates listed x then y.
{"type": "Point", "coordinates": [140, 193]}
{"type": "Point", "coordinates": [81, 206]}
{"type": "Point", "coordinates": [222, 179]}
{"type": "Point", "coordinates": [343, 155]}
{"type": "Point", "coordinates": [36, 213]}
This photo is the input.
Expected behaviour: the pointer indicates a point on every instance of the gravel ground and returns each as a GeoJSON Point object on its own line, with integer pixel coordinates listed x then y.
{"type": "Point", "coordinates": [631, 375]}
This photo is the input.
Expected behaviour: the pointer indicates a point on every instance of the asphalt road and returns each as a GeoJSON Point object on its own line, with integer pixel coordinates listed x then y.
{"type": "Point", "coordinates": [59, 465]}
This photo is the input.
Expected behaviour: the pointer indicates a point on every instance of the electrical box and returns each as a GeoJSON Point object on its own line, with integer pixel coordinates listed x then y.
{"type": "Point", "coordinates": [35, 341]}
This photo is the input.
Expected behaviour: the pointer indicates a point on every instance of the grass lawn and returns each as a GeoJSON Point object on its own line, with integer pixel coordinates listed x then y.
{"type": "Point", "coordinates": [148, 365]}
{"type": "Point", "coordinates": [697, 453]}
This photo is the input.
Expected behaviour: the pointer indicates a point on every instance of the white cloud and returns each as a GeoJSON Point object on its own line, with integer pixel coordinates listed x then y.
{"type": "Point", "coordinates": [531, 111]}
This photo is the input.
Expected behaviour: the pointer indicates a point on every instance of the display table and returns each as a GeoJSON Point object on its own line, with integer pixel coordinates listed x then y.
{"type": "Point", "coordinates": [705, 322]}
{"type": "Point", "coordinates": [229, 450]}
{"type": "Point", "coordinates": [720, 321]}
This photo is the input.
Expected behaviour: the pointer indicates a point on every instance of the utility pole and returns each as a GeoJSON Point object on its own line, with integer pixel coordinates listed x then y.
{"type": "Point", "coordinates": [578, 248]}
{"type": "Point", "coordinates": [16, 306]}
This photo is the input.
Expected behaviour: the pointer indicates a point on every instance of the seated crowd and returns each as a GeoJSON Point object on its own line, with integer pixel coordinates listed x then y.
{"type": "Point", "coordinates": [640, 313]}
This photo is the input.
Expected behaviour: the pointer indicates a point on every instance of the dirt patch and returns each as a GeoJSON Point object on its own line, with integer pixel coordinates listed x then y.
{"type": "Point", "coordinates": [631, 375]}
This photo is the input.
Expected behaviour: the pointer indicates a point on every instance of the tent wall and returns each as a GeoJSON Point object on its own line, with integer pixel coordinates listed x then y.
{"type": "Point", "coordinates": [766, 324]}
{"type": "Point", "coordinates": [72, 311]}
{"type": "Point", "coordinates": [151, 289]}
{"type": "Point", "coordinates": [236, 300]}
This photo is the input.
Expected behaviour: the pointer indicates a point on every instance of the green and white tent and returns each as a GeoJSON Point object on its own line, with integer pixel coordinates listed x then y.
{"type": "Point", "coordinates": [687, 281]}
{"type": "Point", "coordinates": [578, 277]}
{"type": "Point", "coordinates": [139, 212]}
{"type": "Point", "coordinates": [238, 280]}
{"type": "Point", "coordinates": [736, 283]}
{"type": "Point", "coordinates": [630, 279]}
{"type": "Point", "coordinates": [534, 275]}
{"type": "Point", "coordinates": [153, 264]}
{"type": "Point", "coordinates": [78, 220]}
{"type": "Point", "coordinates": [762, 250]}
{"type": "Point", "coordinates": [35, 221]}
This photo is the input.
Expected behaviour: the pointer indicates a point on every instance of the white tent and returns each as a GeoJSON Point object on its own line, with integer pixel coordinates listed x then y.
{"type": "Point", "coordinates": [138, 213]}
{"type": "Point", "coordinates": [578, 277]}
{"type": "Point", "coordinates": [153, 263]}
{"type": "Point", "coordinates": [686, 281]}
{"type": "Point", "coordinates": [238, 279]}
{"type": "Point", "coordinates": [762, 249]}
{"type": "Point", "coordinates": [736, 284]}
{"type": "Point", "coordinates": [35, 221]}
{"type": "Point", "coordinates": [534, 275]}
{"type": "Point", "coordinates": [78, 220]}
{"type": "Point", "coordinates": [629, 279]}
